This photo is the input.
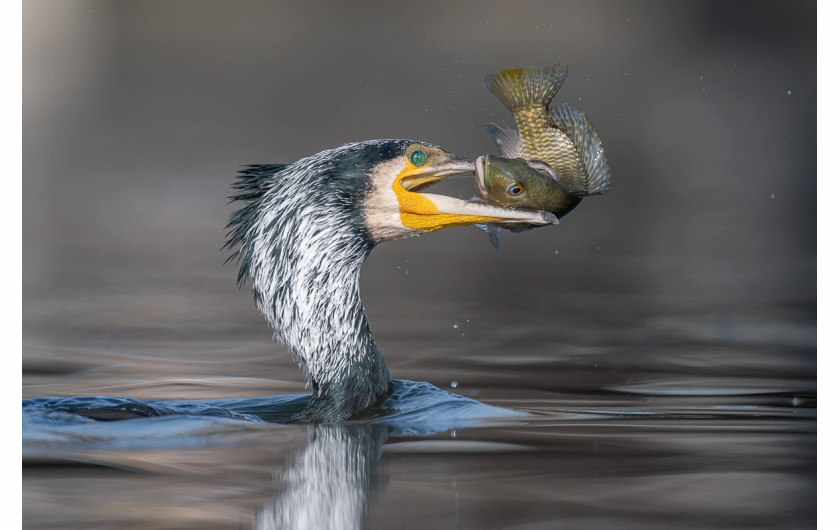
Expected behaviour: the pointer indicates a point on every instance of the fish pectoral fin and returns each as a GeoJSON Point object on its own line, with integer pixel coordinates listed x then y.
{"type": "Point", "coordinates": [575, 124]}
{"type": "Point", "coordinates": [493, 232]}
{"type": "Point", "coordinates": [506, 139]}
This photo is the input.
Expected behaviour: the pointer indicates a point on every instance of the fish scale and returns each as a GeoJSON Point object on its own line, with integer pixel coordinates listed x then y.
{"type": "Point", "coordinates": [541, 140]}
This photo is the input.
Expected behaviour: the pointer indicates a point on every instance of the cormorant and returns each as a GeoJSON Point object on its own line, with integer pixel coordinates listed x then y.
{"type": "Point", "coordinates": [302, 233]}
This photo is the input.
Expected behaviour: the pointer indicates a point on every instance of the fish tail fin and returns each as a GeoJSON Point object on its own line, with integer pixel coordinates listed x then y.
{"type": "Point", "coordinates": [580, 130]}
{"type": "Point", "coordinates": [506, 139]}
{"type": "Point", "coordinates": [493, 231]}
{"type": "Point", "coordinates": [526, 87]}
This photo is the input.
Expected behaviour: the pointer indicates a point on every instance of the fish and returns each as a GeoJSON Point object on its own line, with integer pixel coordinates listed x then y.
{"type": "Point", "coordinates": [520, 184]}
{"type": "Point", "coordinates": [561, 137]}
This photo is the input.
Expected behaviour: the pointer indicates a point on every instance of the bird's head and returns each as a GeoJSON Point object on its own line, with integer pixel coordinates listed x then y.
{"type": "Point", "coordinates": [340, 202]}
{"type": "Point", "coordinates": [395, 205]}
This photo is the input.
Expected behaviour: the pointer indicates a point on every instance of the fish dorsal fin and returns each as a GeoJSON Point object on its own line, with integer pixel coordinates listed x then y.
{"type": "Point", "coordinates": [506, 139]}
{"type": "Point", "coordinates": [526, 87]}
{"type": "Point", "coordinates": [580, 131]}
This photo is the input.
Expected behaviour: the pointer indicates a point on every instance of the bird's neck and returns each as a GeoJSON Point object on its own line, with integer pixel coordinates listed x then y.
{"type": "Point", "coordinates": [308, 290]}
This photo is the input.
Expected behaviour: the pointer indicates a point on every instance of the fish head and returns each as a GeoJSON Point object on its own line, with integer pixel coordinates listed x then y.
{"type": "Point", "coordinates": [512, 181]}
{"type": "Point", "coordinates": [524, 184]}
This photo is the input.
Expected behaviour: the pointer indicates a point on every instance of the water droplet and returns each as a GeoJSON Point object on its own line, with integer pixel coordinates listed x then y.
{"type": "Point", "coordinates": [772, 195]}
{"type": "Point", "coordinates": [454, 384]}
{"type": "Point", "coordinates": [789, 92]}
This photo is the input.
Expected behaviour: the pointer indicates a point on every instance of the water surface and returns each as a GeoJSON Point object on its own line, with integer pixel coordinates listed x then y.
{"type": "Point", "coordinates": [704, 423]}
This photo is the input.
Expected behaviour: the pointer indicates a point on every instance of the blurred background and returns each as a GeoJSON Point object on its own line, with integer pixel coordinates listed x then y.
{"type": "Point", "coordinates": [690, 288]}
{"type": "Point", "coordinates": [137, 116]}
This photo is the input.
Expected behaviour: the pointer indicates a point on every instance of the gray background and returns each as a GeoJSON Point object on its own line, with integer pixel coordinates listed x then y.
{"type": "Point", "coordinates": [137, 115]}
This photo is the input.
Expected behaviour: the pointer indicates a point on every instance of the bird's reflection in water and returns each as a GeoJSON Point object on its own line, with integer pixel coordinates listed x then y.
{"type": "Point", "coordinates": [328, 482]}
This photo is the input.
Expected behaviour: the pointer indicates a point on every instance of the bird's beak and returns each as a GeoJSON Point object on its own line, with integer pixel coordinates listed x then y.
{"type": "Point", "coordinates": [429, 212]}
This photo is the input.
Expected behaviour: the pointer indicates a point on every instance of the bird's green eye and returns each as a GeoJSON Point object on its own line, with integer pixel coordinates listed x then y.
{"type": "Point", "coordinates": [515, 188]}
{"type": "Point", "coordinates": [417, 158]}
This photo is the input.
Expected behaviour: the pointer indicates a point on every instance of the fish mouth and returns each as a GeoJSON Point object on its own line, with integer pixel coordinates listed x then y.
{"type": "Point", "coordinates": [480, 183]}
{"type": "Point", "coordinates": [429, 211]}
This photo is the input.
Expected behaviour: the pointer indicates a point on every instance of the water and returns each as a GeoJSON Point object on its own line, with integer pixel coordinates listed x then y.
{"type": "Point", "coordinates": [744, 460]}
{"type": "Point", "coordinates": [677, 464]}
{"type": "Point", "coordinates": [701, 419]}
{"type": "Point", "coordinates": [657, 348]}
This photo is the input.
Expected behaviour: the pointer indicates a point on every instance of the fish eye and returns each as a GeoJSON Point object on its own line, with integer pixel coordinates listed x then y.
{"type": "Point", "coordinates": [417, 157]}
{"type": "Point", "coordinates": [515, 189]}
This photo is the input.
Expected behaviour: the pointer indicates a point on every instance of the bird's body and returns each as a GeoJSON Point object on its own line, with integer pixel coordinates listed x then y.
{"type": "Point", "coordinates": [305, 229]}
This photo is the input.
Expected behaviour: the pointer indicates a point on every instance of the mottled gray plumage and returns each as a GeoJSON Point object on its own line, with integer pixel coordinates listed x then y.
{"type": "Point", "coordinates": [302, 233]}
{"type": "Point", "coordinates": [300, 238]}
